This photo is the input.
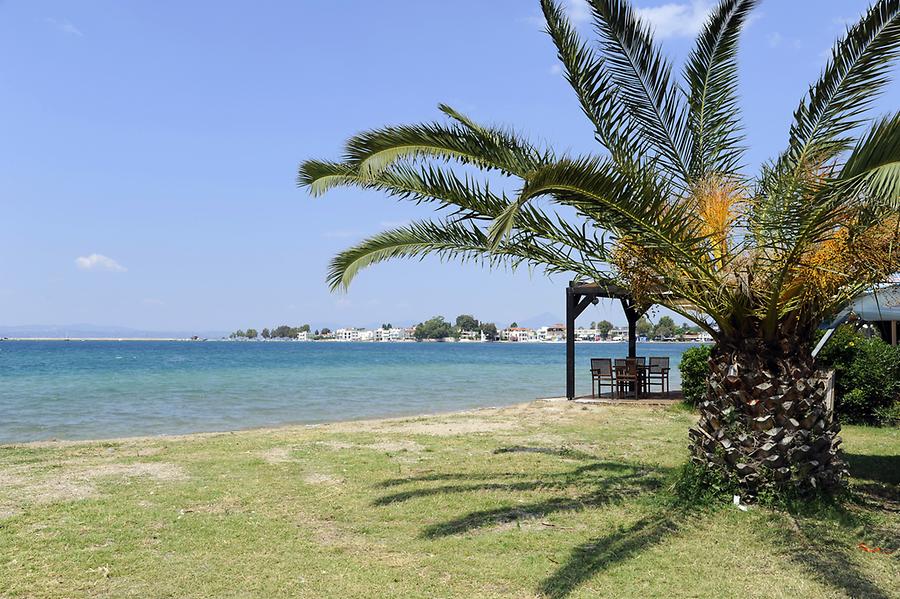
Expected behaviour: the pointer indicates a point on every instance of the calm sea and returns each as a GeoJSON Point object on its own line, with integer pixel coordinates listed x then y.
{"type": "Point", "coordinates": [103, 389]}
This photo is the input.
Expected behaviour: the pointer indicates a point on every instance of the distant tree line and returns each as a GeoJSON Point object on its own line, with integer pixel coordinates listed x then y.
{"type": "Point", "coordinates": [439, 328]}
{"type": "Point", "coordinates": [665, 328]}
{"type": "Point", "coordinates": [282, 332]}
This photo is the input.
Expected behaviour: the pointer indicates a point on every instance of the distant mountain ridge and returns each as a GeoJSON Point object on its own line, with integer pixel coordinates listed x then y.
{"type": "Point", "coordinates": [100, 331]}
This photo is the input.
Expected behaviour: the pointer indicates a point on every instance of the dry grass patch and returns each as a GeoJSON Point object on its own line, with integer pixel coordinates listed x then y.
{"type": "Point", "coordinates": [73, 481]}
{"type": "Point", "coordinates": [396, 446]}
{"type": "Point", "coordinates": [276, 455]}
{"type": "Point", "coordinates": [321, 478]}
{"type": "Point", "coordinates": [445, 428]}
{"type": "Point", "coordinates": [336, 445]}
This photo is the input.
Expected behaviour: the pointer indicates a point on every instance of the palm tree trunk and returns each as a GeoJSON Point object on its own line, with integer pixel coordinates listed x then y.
{"type": "Point", "coordinates": [765, 423]}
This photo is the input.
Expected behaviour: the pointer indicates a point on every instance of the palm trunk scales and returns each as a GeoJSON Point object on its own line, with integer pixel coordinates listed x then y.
{"type": "Point", "coordinates": [765, 421]}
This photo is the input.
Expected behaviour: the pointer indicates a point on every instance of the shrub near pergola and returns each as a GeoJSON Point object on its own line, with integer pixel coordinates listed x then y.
{"type": "Point", "coordinates": [668, 212]}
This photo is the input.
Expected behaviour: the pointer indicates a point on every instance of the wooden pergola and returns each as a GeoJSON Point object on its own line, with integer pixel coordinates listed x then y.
{"type": "Point", "coordinates": [579, 295]}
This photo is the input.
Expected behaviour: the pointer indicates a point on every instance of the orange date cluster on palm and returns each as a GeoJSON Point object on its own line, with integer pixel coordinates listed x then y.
{"type": "Point", "coordinates": [765, 422]}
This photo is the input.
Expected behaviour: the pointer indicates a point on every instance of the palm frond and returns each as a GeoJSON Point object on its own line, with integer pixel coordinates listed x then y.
{"type": "Point", "coordinates": [711, 76]}
{"type": "Point", "coordinates": [593, 85]}
{"type": "Point", "coordinates": [462, 193]}
{"type": "Point", "coordinates": [406, 181]}
{"type": "Point", "coordinates": [809, 212]}
{"type": "Point", "coordinates": [491, 149]}
{"type": "Point", "coordinates": [450, 240]}
{"type": "Point", "coordinates": [798, 194]}
{"type": "Point", "coordinates": [875, 162]}
{"type": "Point", "coordinates": [604, 178]}
{"type": "Point", "coordinates": [414, 240]}
{"type": "Point", "coordinates": [466, 198]}
{"type": "Point", "coordinates": [639, 209]}
{"type": "Point", "coordinates": [644, 80]}
{"type": "Point", "coordinates": [852, 80]}
{"type": "Point", "coordinates": [319, 176]}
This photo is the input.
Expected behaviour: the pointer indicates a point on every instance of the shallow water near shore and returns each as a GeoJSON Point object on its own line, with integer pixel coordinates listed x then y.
{"type": "Point", "coordinates": [104, 389]}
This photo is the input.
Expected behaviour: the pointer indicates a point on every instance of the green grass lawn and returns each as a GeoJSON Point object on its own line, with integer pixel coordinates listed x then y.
{"type": "Point", "coordinates": [543, 500]}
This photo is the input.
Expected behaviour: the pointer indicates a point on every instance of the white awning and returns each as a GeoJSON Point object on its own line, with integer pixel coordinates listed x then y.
{"type": "Point", "coordinates": [880, 304]}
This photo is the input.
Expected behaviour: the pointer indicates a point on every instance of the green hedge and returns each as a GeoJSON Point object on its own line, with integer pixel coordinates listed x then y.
{"type": "Point", "coordinates": [867, 377]}
{"type": "Point", "coordinates": [694, 369]}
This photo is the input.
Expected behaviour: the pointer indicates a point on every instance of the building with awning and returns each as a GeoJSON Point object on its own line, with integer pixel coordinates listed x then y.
{"type": "Point", "coordinates": [879, 308]}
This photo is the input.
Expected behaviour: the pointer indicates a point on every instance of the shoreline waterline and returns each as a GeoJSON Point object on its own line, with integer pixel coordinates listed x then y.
{"type": "Point", "coordinates": [287, 427]}
{"type": "Point", "coordinates": [94, 390]}
{"type": "Point", "coordinates": [295, 426]}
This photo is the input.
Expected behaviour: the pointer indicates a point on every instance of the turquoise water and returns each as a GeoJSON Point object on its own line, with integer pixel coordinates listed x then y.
{"type": "Point", "coordinates": [103, 389]}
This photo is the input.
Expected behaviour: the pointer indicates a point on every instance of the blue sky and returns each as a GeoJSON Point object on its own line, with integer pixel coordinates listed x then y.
{"type": "Point", "coordinates": [150, 148]}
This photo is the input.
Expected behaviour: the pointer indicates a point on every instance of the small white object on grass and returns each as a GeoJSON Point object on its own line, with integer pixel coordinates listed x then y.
{"type": "Point", "coordinates": [737, 503]}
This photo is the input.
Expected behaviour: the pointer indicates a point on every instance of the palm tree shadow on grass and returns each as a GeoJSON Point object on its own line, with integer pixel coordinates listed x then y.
{"type": "Point", "coordinates": [826, 557]}
{"type": "Point", "coordinates": [617, 475]}
{"type": "Point", "coordinates": [595, 483]}
{"type": "Point", "coordinates": [877, 479]}
{"type": "Point", "coordinates": [563, 452]}
{"type": "Point", "coordinates": [590, 484]}
{"type": "Point", "coordinates": [881, 468]}
{"type": "Point", "coordinates": [539, 509]}
{"type": "Point", "coordinates": [592, 557]}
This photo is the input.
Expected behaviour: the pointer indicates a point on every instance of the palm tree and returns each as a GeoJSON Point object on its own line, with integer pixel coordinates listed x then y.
{"type": "Point", "coordinates": [668, 211]}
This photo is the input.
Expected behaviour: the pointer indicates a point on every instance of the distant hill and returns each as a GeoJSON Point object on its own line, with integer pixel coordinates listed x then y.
{"type": "Point", "coordinates": [99, 331]}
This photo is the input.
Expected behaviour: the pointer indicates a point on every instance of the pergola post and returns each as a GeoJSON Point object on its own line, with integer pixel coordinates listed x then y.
{"type": "Point", "coordinates": [570, 342]}
{"type": "Point", "coordinates": [632, 316]}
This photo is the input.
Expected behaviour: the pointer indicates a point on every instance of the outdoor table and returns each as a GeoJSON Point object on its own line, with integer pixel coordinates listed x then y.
{"type": "Point", "coordinates": [641, 370]}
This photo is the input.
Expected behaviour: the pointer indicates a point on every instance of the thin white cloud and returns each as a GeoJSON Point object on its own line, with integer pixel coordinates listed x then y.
{"type": "Point", "coordinates": [339, 234]}
{"type": "Point", "coordinates": [753, 18]}
{"type": "Point", "coordinates": [776, 40]}
{"type": "Point", "coordinates": [556, 69]}
{"type": "Point", "coordinates": [578, 11]}
{"type": "Point", "coordinates": [670, 19]}
{"type": "Point", "coordinates": [676, 19]}
{"type": "Point", "coordinates": [98, 262]}
{"type": "Point", "coordinates": [844, 22]}
{"type": "Point", "coordinates": [65, 26]}
{"type": "Point", "coordinates": [392, 224]}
